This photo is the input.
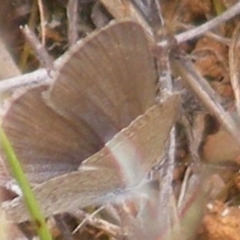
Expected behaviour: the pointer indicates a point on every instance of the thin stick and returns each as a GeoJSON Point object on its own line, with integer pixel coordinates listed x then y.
{"type": "Point", "coordinates": [166, 88]}
{"type": "Point", "coordinates": [28, 79]}
{"type": "Point", "coordinates": [234, 66]}
{"type": "Point", "coordinates": [198, 31]}
{"type": "Point", "coordinates": [42, 54]}
{"type": "Point", "coordinates": [72, 16]}
{"type": "Point", "coordinates": [107, 227]}
{"type": "Point", "coordinates": [183, 190]}
{"type": "Point", "coordinates": [118, 11]}
{"type": "Point", "coordinates": [42, 22]}
{"type": "Point", "coordinates": [40, 74]}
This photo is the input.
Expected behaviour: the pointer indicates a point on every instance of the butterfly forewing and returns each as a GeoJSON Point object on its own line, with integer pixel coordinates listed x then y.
{"type": "Point", "coordinates": [46, 143]}
{"type": "Point", "coordinates": [105, 82]}
{"type": "Point", "coordinates": [108, 81]}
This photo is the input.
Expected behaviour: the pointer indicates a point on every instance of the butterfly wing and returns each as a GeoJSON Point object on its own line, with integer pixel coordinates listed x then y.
{"type": "Point", "coordinates": [46, 143]}
{"type": "Point", "coordinates": [104, 83]}
{"type": "Point", "coordinates": [108, 81]}
{"type": "Point", "coordinates": [110, 173]}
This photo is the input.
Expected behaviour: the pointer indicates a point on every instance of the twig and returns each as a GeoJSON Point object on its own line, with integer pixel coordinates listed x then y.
{"type": "Point", "coordinates": [166, 88]}
{"type": "Point", "coordinates": [196, 32]}
{"type": "Point", "coordinates": [107, 227]}
{"type": "Point", "coordinates": [42, 21]}
{"type": "Point", "coordinates": [87, 218]}
{"type": "Point", "coordinates": [183, 190]}
{"type": "Point", "coordinates": [224, 40]}
{"type": "Point", "coordinates": [41, 74]}
{"type": "Point", "coordinates": [119, 12]}
{"type": "Point", "coordinates": [42, 54]}
{"type": "Point", "coordinates": [72, 16]}
{"type": "Point", "coordinates": [234, 66]}
{"type": "Point", "coordinates": [36, 77]}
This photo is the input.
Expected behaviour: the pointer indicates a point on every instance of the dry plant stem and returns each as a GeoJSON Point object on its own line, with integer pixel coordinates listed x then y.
{"type": "Point", "coordinates": [186, 70]}
{"type": "Point", "coordinates": [196, 32]}
{"type": "Point", "coordinates": [37, 77]}
{"type": "Point", "coordinates": [157, 3]}
{"type": "Point", "coordinates": [193, 145]}
{"type": "Point", "coordinates": [123, 9]}
{"type": "Point", "coordinates": [184, 188]}
{"type": "Point", "coordinates": [42, 21]}
{"type": "Point", "coordinates": [107, 227]}
{"type": "Point", "coordinates": [171, 226]}
{"type": "Point", "coordinates": [193, 208]}
{"type": "Point", "coordinates": [223, 40]}
{"type": "Point", "coordinates": [43, 56]}
{"type": "Point", "coordinates": [197, 130]}
{"type": "Point", "coordinates": [171, 155]}
{"type": "Point", "coordinates": [85, 220]}
{"type": "Point", "coordinates": [41, 74]}
{"type": "Point", "coordinates": [234, 66]}
{"type": "Point", "coordinates": [72, 15]}
{"type": "Point", "coordinates": [190, 208]}
{"type": "Point", "coordinates": [166, 88]}
{"type": "Point", "coordinates": [166, 192]}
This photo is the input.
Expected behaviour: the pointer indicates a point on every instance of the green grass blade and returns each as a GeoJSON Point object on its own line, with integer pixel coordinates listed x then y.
{"type": "Point", "coordinates": [30, 201]}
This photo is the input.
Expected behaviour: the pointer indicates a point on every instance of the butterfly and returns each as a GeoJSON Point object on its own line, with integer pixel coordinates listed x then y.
{"type": "Point", "coordinates": [97, 130]}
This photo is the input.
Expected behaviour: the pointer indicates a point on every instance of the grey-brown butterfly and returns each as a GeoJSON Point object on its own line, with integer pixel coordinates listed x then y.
{"type": "Point", "coordinates": [96, 132]}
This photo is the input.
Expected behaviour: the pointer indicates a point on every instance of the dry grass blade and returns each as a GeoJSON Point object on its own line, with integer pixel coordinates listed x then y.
{"type": "Point", "coordinates": [117, 11]}
{"type": "Point", "coordinates": [196, 32]}
{"type": "Point", "coordinates": [124, 9]}
{"type": "Point", "coordinates": [234, 66]}
{"type": "Point", "coordinates": [42, 21]}
{"type": "Point", "coordinates": [72, 15]}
